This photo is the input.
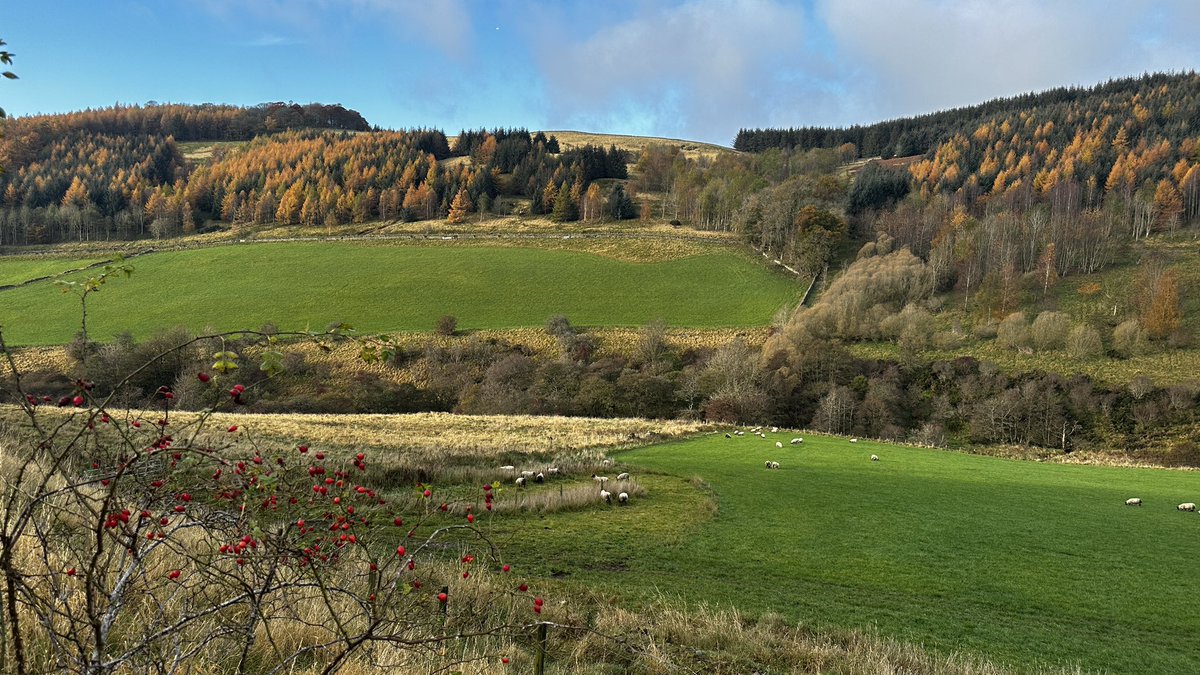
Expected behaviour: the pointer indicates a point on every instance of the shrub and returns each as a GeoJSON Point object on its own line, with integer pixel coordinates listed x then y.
{"type": "Point", "coordinates": [1049, 331]}
{"type": "Point", "coordinates": [1013, 332]}
{"type": "Point", "coordinates": [1129, 338]}
{"type": "Point", "coordinates": [1084, 342]}
{"type": "Point", "coordinates": [447, 324]}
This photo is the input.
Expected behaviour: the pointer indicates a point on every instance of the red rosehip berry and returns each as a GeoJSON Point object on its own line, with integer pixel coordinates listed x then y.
{"type": "Point", "coordinates": [470, 518]}
{"type": "Point", "coordinates": [174, 574]}
{"type": "Point", "coordinates": [71, 572]}
{"type": "Point", "coordinates": [506, 568]}
{"type": "Point", "coordinates": [428, 493]}
{"type": "Point", "coordinates": [232, 429]}
{"type": "Point", "coordinates": [400, 551]}
{"type": "Point", "coordinates": [203, 377]}
{"type": "Point", "coordinates": [441, 597]}
{"type": "Point", "coordinates": [523, 587]}
{"type": "Point", "coordinates": [77, 401]}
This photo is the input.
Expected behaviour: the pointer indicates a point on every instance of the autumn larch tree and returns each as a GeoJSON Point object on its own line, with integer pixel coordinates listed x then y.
{"type": "Point", "coordinates": [460, 207]}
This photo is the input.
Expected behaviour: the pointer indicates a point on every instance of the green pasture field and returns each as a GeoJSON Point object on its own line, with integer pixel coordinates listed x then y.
{"type": "Point", "coordinates": [1025, 563]}
{"type": "Point", "coordinates": [377, 288]}
{"type": "Point", "coordinates": [19, 270]}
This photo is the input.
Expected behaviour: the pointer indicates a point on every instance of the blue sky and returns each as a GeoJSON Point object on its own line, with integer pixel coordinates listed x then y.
{"type": "Point", "coordinates": [698, 69]}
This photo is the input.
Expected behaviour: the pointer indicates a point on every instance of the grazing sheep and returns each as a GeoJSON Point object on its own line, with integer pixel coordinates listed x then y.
{"type": "Point", "coordinates": [553, 471]}
{"type": "Point", "coordinates": [853, 440]}
{"type": "Point", "coordinates": [622, 476]}
{"type": "Point", "coordinates": [1187, 506]}
{"type": "Point", "coordinates": [774, 430]}
{"type": "Point", "coordinates": [600, 479]}
{"type": "Point", "coordinates": [739, 433]}
{"type": "Point", "coordinates": [874, 458]}
{"type": "Point", "coordinates": [623, 498]}
{"type": "Point", "coordinates": [779, 444]}
{"type": "Point", "coordinates": [728, 436]}
{"type": "Point", "coordinates": [520, 481]}
{"type": "Point", "coordinates": [606, 462]}
{"type": "Point", "coordinates": [797, 441]}
{"type": "Point", "coordinates": [606, 496]}
{"type": "Point", "coordinates": [1133, 501]}
{"type": "Point", "coordinates": [540, 478]}
{"type": "Point", "coordinates": [508, 467]}
{"type": "Point", "coordinates": [767, 464]}
{"type": "Point", "coordinates": [774, 465]}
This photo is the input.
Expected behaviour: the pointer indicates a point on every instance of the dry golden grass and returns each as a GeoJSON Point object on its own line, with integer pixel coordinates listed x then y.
{"type": "Point", "coordinates": [442, 434]}
{"type": "Point", "coordinates": [635, 144]}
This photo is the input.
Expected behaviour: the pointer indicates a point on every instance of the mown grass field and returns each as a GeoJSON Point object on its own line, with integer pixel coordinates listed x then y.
{"type": "Point", "coordinates": [1023, 562]}
{"type": "Point", "coordinates": [375, 288]}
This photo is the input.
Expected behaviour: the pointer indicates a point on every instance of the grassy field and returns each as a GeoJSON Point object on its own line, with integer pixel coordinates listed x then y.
{"type": "Point", "coordinates": [19, 270]}
{"type": "Point", "coordinates": [1026, 563]}
{"type": "Point", "coordinates": [298, 285]}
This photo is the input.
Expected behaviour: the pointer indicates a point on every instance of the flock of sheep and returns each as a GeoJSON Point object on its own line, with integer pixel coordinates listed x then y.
{"type": "Point", "coordinates": [1186, 506]}
{"type": "Point", "coordinates": [770, 464]}
{"type": "Point", "coordinates": [540, 477]}
{"type": "Point", "coordinates": [779, 444]}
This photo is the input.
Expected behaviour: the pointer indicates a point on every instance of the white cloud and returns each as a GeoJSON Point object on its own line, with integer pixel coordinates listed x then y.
{"type": "Point", "coordinates": [923, 55]}
{"type": "Point", "coordinates": [690, 70]}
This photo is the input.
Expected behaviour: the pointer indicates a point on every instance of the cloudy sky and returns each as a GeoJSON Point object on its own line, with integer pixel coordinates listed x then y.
{"type": "Point", "coordinates": [698, 69]}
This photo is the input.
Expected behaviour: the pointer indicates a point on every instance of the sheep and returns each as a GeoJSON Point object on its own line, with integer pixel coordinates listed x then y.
{"type": "Point", "coordinates": [874, 458]}
{"type": "Point", "coordinates": [540, 478]}
{"type": "Point", "coordinates": [607, 462]}
{"type": "Point", "coordinates": [520, 481]}
{"type": "Point", "coordinates": [600, 479]}
{"type": "Point", "coordinates": [622, 476]}
{"type": "Point", "coordinates": [528, 474]}
{"type": "Point", "coordinates": [553, 471]}
{"type": "Point", "coordinates": [606, 496]}
{"type": "Point", "coordinates": [853, 440]}
{"type": "Point", "coordinates": [728, 436]}
{"type": "Point", "coordinates": [779, 445]}
{"type": "Point", "coordinates": [772, 465]}
{"type": "Point", "coordinates": [797, 441]}
{"type": "Point", "coordinates": [739, 433]}
{"type": "Point", "coordinates": [1133, 501]}
{"type": "Point", "coordinates": [508, 467]}
{"type": "Point", "coordinates": [1187, 506]}
{"type": "Point", "coordinates": [767, 464]}
{"type": "Point", "coordinates": [774, 430]}
{"type": "Point", "coordinates": [623, 498]}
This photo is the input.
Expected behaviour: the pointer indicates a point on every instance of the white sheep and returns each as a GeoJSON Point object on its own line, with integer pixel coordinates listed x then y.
{"type": "Point", "coordinates": [1187, 506]}
{"type": "Point", "coordinates": [774, 465]}
{"type": "Point", "coordinates": [797, 441]}
{"type": "Point", "coordinates": [728, 436]}
{"type": "Point", "coordinates": [540, 478]}
{"type": "Point", "coordinates": [874, 458]}
{"type": "Point", "coordinates": [622, 476]}
{"type": "Point", "coordinates": [1133, 501]}
{"type": "Point", "coordinates": [600, 479]}
{"type": "Point", "coordinates": [553, 471]}
{"type": "Point", "coordinates": [606, 496]}
{"type": "Point", "coordinates": [623, 498]}
{"type": "Point", "coordinates": [508, 467]}
{"type": "Point", "coordinates": [739, 433]}
{"type": "Point", "coordinates": [853, 440]}
{"type": "Point", "coordinates": [779, 444]}
{"type": "Point", "coordinates": [774, 430]}
{"type": "Point", "coordinates": [606, 462]}
{"type": "Point", "coordinates": [520, 481]}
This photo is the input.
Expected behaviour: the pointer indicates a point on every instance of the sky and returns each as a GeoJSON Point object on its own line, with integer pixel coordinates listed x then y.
{"type": "Point", "coordinates": [694, 69]}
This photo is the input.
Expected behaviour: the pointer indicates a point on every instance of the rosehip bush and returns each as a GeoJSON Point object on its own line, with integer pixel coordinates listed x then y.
{"type": "Point", "coordinates": [144, 541]}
